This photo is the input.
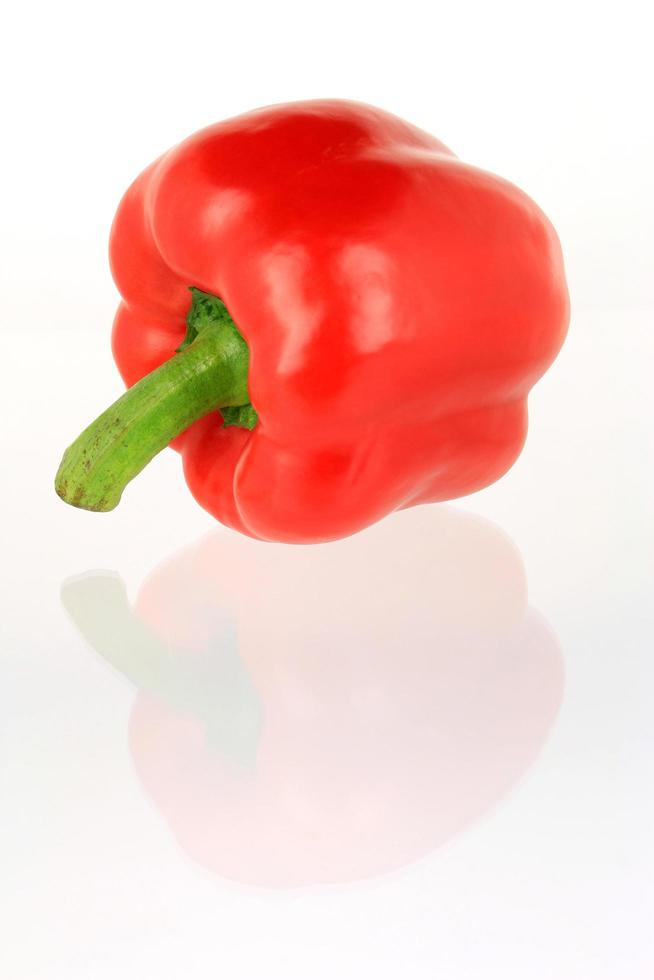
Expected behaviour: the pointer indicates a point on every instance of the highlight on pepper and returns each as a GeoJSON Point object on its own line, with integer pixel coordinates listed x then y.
{"type": "Point", "coordinates": [329, 315]}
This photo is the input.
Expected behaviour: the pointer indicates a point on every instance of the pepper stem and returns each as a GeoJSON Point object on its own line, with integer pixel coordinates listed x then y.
{"type": "Point", "coordinates": [209, 372]}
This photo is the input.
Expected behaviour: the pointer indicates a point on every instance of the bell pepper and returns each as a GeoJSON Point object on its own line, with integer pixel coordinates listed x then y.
{"type": "Point", "coordinates": [366, 316]}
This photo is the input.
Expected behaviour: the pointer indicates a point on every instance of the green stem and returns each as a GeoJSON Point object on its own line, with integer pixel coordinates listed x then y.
{"type": "Point", "coordinates": [208, 374]}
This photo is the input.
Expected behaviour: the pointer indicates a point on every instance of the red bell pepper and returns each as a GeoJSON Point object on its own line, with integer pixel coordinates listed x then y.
{"type": "Point", "coordinates": [368, 314]}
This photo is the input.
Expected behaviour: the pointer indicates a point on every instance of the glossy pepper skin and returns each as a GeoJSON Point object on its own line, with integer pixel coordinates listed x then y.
{"type": "Point", "coordinates": [398, 305]}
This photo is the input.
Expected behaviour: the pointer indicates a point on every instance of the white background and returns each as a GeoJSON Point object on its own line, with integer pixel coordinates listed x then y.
{"type": "Point", "coordinates": [550, 875]}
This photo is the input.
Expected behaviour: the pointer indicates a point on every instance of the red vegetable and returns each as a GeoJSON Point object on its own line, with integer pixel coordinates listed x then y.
{"type": "Point", "coordinates": [397, 306]}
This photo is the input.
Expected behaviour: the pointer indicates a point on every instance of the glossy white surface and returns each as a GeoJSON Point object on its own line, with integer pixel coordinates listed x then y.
{"type": "Point", "coordinates": [385, 707]}
{"type": "Point", "coordinates": [422, 752]}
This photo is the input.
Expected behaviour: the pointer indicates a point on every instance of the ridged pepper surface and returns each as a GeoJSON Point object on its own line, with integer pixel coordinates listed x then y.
{"type": "Point", "coordinates": [368, 314]}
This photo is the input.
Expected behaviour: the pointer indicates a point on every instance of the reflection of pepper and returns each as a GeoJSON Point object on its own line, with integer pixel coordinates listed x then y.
{"type": "Point", "coordinates": [302, 715]}
{"type": "Point", "coordinates": [394, 307]}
